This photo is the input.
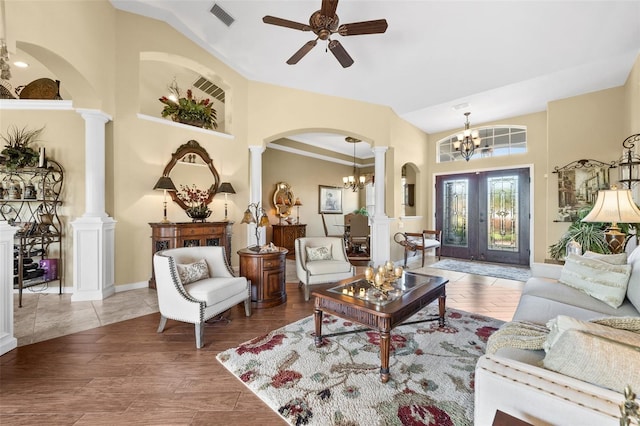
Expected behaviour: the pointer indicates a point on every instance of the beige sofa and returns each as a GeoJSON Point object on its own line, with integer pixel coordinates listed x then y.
{"type": "Point", "coordinates": [515, 382]}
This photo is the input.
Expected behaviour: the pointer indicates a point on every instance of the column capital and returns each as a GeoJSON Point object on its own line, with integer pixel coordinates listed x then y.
{"type": "Point", "coordinates": [95, 114]}
{"type": "Point", "coordinates": [380, 149]}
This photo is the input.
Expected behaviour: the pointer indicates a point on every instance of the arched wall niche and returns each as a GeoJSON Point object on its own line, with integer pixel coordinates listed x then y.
{"type": "Point", "coordinates": [74, 86]}
{"type": "Point", "coordinates": [409, 189]}
{"type": "Point", "coordinates": [157, 72]}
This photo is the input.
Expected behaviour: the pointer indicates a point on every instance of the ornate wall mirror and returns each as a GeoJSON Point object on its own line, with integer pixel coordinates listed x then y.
{"type": "Point", "coordinates": [191, 165]}
{"type": "Point", "coordinates": [283, 199]}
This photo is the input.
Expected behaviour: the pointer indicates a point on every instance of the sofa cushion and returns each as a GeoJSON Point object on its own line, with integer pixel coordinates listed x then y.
{"type": "Point", "coordinates": [597, 278]}
{"type": "Point", "coordinates": [216, 290]}
{"type": "Point", "coordinates": [318, 253]}
{"type": "Point", "coordinates": [606, 357]}
{"type": "Point", "coordinates": [543, 299]}
{"type": "Point", "coordinates": [614, 259]}
{"type": "Point", "coordinates": [321, 267]}
{"type": "Point", "coordinates": [193, 272]}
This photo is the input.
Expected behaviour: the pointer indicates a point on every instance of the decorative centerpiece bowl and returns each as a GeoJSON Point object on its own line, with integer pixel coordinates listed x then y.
{"type": "Point", "coordinates": [198, 214]}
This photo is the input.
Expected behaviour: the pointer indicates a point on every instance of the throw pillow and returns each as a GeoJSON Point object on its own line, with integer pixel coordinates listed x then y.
{"type": "Point", "coordinates": [560, 324]}
{"type": "Point", "coordinates": [597, 278]}
{"type": "Point", "coordinates": [635, 255]}
{"type": "Point", "coordinates": [318, 253]}
{"type": "Point", "coordinates": [193, 272]}
{"type": "Point", "coordinates": [614, 259]}
{"type": "Point", "coordinates": [633, 289]}
{"type": "Point", "coordinates": [607, 358]}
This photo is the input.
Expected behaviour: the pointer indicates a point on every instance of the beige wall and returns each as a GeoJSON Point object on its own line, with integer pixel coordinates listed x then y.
{"type": "Point", "coordinates": [632, 100]}
{"type": "Point", "coordinates": [96, 50]}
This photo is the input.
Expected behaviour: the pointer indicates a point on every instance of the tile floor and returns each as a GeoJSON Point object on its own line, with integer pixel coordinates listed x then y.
{"type": "Point", "coordinates": [44, 316]}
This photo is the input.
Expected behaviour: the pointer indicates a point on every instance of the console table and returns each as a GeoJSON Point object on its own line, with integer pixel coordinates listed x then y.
{"type": "Point", "coordinates": [188, 234]}
{"type": "Point", "coordinates": [285, 236]}
{"type": "Point", "coordinates": [267, 274]}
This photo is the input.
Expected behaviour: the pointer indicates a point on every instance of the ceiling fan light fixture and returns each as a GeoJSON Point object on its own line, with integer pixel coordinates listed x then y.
{"type": "Point", "coordinates": [324, 23]}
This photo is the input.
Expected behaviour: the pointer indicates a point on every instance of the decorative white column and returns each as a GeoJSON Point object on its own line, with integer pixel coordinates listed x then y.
{"type": "Point", "coordinates": [380, 228]}
{"type": "Point", "coordinates": [7, 340]}
{"type": "Point", "coordinates": [94, 232]}
{"type": "Point", "coordinates": [255, 191]}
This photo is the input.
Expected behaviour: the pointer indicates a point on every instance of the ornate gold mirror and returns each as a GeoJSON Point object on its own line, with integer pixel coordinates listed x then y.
{"type": "Point", "coordinates": [283, 199]}
{"type": "Point", "coordinates": [191, 166]}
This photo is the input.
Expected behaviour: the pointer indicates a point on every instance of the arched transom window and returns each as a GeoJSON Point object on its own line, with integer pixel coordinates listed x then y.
{"type": "Point", "coordinates": [495, 141]}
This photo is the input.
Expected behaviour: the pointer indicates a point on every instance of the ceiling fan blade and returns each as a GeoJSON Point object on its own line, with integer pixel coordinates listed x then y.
{"type": "Point", "coordinates": [328, 8]}
{"type": "Point", "coordinates": [341, 55]}
{"type": "Point", "coordinates": [301, 52]}
{"type": "Point", "coordinates": [367, 27]}
{"type": "Point", "coordinates": [285, 23]}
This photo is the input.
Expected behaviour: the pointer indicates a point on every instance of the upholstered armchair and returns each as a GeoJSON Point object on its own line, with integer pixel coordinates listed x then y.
{"type": "Point", "coordinates": [195, 284]}
{"type": "Point", "coordinates": [321, 260]}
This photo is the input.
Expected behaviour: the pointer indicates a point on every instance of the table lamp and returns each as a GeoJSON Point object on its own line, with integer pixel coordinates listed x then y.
{"type": "Point", "coordinates": [614, 205]}
{"type": "Point", "coordinates": [225, 188]}
{"type": "Point", "coordinates": [297, 204]}
{"type": "Point", "coordinates": [166, 184]}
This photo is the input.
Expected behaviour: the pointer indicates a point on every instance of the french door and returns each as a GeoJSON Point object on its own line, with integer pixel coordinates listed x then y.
{"type": "Point", "coordinates": [485, 215]}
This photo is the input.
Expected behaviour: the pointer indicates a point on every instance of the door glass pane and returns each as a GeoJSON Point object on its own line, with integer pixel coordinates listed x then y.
{"type": "Point", "coordinates": [502, 203]}
{"type": "Point", "coordinates": [455, 212]}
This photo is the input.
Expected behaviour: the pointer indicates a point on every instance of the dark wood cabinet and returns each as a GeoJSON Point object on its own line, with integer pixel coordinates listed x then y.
{"type": "Point", "coordinates": [285, 236]}
{"type": "Point", "coordinates": [189, 234]}
{"type": "Point", "coordinates": [267, 274]}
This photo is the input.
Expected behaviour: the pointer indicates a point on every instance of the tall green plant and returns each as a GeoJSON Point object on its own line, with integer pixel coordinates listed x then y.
{"type": "Point", "coordinates": [589, 235]}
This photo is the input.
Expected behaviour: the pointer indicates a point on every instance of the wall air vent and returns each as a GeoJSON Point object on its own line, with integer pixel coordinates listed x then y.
{"type": "Point", "coordinates": [222, 15]}
{"type": "Point", "coordinates": [209, 88]}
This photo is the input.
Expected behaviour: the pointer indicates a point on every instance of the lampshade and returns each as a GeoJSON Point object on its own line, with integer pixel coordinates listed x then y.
{"type": "Point", "coordinates": [614, 205]}
{"type": "Point", "coordinates": [298, 202]}
{"type": "Point", "coordinates": [248, 217]}
{"type": "Point", "coordinates": [165, 183]}
{"type": "Point", "coordinates": [226, 188]}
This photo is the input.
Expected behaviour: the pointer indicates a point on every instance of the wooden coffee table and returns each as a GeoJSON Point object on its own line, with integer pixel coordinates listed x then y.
{"type": "Point", "coordinates": [350, 300]}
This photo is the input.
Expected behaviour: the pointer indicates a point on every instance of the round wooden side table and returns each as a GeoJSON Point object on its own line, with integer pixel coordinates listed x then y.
{"type": "Point", "coordinates": [267, 274]}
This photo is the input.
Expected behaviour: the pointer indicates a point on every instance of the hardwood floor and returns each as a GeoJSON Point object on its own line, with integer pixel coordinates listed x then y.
{"type": "Point", "coordinates": [126, 373]}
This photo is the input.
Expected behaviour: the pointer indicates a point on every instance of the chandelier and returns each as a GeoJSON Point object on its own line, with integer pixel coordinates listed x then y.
{"type": "Point", "coordinates": [467, 141]}
{"type": "Point", "coordinates": [354, 181]}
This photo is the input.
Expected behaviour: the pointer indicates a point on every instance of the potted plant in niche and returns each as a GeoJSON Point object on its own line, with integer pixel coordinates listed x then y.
{"type": "Point", "coordinates": [17, 152]}
{"type": "Point", "coordinates": [188, 109]}
{"type": "Point", "coordinates": [195, 199]}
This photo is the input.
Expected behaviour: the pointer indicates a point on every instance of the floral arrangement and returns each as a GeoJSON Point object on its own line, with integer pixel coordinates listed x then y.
{"type": "Point", "coordinates": [189, 109]}
{"type": "Point", "coordinates": [196, 201]}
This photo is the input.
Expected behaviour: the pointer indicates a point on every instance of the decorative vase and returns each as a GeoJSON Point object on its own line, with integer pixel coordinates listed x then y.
{"type": "Point", "coordinates": [198, 214]}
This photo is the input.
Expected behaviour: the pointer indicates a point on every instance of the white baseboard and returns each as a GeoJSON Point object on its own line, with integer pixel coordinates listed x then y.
{"type": "Point", "coordinates": [52, 288]}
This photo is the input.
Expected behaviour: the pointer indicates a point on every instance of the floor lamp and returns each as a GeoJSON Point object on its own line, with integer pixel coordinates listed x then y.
{"type": "Point", "coordinates": [615, 206]}
{"type": "Point", "coordinates": [225, 188]}
{"type": "Point", "coordinates": [166, 184]}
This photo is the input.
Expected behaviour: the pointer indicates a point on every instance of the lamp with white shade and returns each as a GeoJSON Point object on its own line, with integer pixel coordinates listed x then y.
{"type": "Point", "coordinates": [615, 206]}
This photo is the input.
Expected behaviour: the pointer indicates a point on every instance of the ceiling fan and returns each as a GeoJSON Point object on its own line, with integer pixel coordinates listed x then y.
{"type": "Point", "coordinates": [324, 23]}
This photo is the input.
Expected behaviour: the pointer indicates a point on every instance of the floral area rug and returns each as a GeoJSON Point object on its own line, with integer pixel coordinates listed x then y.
{"type": "Point", "coordinates": [518, 273]}
{"type": "Point", "coordinates": [432, 371]}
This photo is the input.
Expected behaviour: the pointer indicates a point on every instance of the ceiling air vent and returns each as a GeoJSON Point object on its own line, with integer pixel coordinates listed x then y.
{"type": "Point", "coordinates": [209, 88]}
{"type": "Point", "coordinates": [222, 15]}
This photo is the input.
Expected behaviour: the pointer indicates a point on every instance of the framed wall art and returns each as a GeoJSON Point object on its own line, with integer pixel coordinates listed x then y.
{"type": "Point", "coordinates": [578, 186]}
{"type": "Point", "coordinates": [329, 199]}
